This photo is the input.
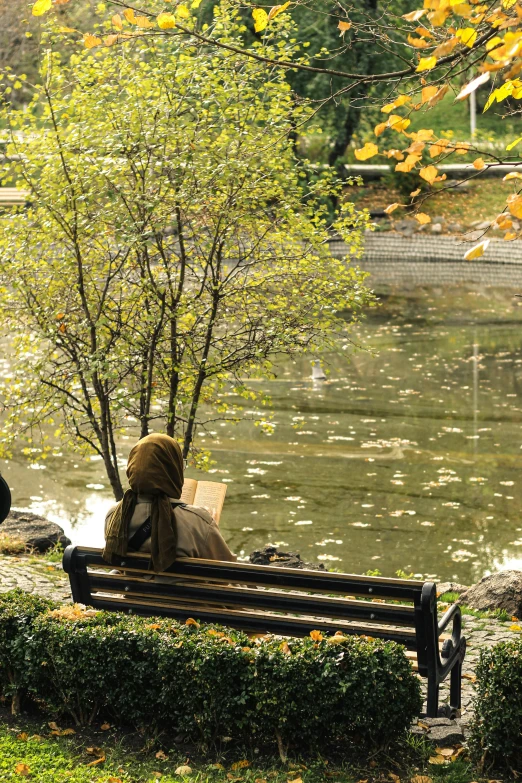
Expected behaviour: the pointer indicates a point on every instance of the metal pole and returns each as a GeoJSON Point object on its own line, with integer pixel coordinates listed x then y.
{"type": "Point", "coordinates": [473, 114]}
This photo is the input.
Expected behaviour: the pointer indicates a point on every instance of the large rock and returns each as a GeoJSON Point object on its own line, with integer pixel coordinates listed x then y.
{"type": "Point", "coordinates": [37, 532]}
{"type": "Point", "coordinates": [502, 590]}
{"type": "Point", "coordinates": [451, 587]}
{"type": "Point", "coordinates": [271, 555]}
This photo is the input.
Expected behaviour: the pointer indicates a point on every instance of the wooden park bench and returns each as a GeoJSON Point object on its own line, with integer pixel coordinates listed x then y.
{"type": "Point", "coordinates": [13, 197]}
{"type": "Point", "coordinates": [282, 601]}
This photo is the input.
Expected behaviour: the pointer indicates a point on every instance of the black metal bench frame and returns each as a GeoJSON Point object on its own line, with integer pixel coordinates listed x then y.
{"type": "Point", "coordinates": [204, 589]}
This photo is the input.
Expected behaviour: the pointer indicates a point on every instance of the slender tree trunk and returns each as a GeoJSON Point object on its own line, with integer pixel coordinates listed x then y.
{"type": "Point", "coordinates": [174, 379]}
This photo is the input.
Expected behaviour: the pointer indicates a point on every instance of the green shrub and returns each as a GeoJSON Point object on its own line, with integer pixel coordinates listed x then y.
{"type": "Point", "coordinates": [207, 682]}
{"type": "Point", "coordinates": [497, 724]}
{"type": "Point", "coordinates": [18, 611]}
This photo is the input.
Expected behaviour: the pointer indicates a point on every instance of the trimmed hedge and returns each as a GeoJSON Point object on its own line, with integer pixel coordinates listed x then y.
{"type": "Point", "coordinates": [204, 682]}
{"type": "Point", "coordinates": [496, 730]}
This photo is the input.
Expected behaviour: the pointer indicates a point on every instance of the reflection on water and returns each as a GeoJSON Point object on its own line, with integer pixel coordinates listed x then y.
{"type": "Point", "coordinates": [405, 459]}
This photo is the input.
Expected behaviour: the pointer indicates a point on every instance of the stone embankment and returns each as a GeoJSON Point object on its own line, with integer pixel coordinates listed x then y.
{"type": "Point", "coordinates": [403, 258]}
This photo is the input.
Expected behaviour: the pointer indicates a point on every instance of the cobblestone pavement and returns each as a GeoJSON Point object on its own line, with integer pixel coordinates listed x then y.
{"type": "Point", "coordinates": [34, 575]}
{"type": "Point", "coordinates": [38, 576]}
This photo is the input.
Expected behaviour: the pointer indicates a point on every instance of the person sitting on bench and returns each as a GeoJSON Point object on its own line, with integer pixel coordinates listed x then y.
{"type": "Point", "coordinates": [152, 518]}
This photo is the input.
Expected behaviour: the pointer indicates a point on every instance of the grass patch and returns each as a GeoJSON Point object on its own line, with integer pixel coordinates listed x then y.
{"type": "Point", "coordinates": [28, 750]}
{"type": "Point", "coordinates": [482, 200]}
{"type": "Point", "coordinates": [12, 545]}
{"type": "Point", "coordinates": [496, 614]}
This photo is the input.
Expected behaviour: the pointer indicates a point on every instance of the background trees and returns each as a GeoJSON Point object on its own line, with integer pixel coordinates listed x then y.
{"type": "Point", "coordinates": [171, 248]}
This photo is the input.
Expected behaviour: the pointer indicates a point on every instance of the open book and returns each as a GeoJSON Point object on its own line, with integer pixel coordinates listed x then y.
{"type": "Point", "coordinates": [207, 494]}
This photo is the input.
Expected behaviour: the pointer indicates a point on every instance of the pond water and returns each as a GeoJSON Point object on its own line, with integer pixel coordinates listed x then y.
{"type": "Point", "coordinates": [408, 457]}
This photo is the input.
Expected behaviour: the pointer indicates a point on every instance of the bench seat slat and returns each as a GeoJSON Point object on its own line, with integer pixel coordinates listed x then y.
{"type": "Point", "coordinates": [284, 625]}
{"type": "Point", "coordinates": [277, 600]}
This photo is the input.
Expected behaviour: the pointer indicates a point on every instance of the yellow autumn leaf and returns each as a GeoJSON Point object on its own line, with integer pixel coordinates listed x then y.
{"type": "Point", "coordinates": [512, 175]}
{"type": "Point", "coordinates": [415, 192]}
{"type": "Point", "coordinates": [414, 16]}
{"type": "Point", "coordinates": [391, 208]}
{"type": "Point", "coordinates": [438, 96]}
{"type": "Point", "coordinates": [398, 123]}
{"type": "Point", "coordinates": [418, 43]}
{"type": "Point", "coordinates": [437, 18]}
{"type": "Point", "coordinates": [407, 165]}
{"type": "Point", "coordinates": [41, 6]}
{"type": "Point", "coordinates": [182, 11]}
{"type": "Point", "coordinates": [23, 770]}
{"type": "Point", "coordinates": [426, 64]}
{"type": "Point", "coordinates": [479, 164]}
{"type": "Point", "coordinates": [380, 128]}
{"type": "Point", "coordinates": [366, 152]}
{"type": "Point", "coordinates": [514, 204]}
{"type": "Point", "coordinates": [260, 19]}
{"type": "Point", "coordinates": [467, 36]}
{"type": "Point", "coordinates": [277, 9]}
{"type": "Point", "coordinates": [424, 134]}
{"type": "Point", "coordinates": [477, 251]}
{"type": "Point", "coordinates": [445, 48]}
{"type": "Point", "coordinates": [429, 173]}
{"type": "Point", "coordinates": [143, 21]}
{"type": "Point", "coordinates": [428, 92]}
{"type": "Point", "coordinates": [110, 40]}
{"type": "Point", "coordinates": [285, 648]}
{"type": "Point", "coordinates": [117, 22]}
{"type": "Point", "coordinates": [400, 101]}
{"type": "Point", "coordinates": [472, 85]}
{"type": "Point", "coordinates": [504, 222]}
{"type": "Point", "coordinates": [129, 15]}
{"type": "Point", "coordinates": [195, 3]}
{"type": "Point", "coordinates": [422, 218]}
{"type": "Point", "coordinates": [90, 41]}
{"type": "Point", "coordinates": [317, 636]}
{"type": "Point", "coordinates": [514, 143]}
{"type": "Point", "coordinates": [462, 148]}
{"type": "Point", "coordinates": [166, 21]}
{"type": "Point", "coordinates": [343, 27]}
{"type": "Point", "coordinates": [509, 235]}
{"type": "Point", "coordinates": [191, 621]}
{"type": "Point", "coordinates": [515, 627]}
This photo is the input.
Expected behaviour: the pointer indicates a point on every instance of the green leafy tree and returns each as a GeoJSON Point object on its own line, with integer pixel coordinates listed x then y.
{"type": "Point", "coordinates": [172, 247]}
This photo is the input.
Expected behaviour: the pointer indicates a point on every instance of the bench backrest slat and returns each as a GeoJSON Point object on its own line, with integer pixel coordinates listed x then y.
{"type": "Point", "coordinates": [275, 600]}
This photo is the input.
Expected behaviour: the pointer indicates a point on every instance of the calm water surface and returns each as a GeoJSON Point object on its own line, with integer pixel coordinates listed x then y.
{"type": "Point", "coordinates": [405, 458]}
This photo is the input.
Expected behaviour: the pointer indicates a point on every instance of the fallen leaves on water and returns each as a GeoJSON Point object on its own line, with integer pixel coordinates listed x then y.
{"type": "Point", "coordinates": [23, 770]}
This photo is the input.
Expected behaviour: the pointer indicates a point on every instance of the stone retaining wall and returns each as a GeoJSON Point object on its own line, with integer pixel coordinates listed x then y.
{"type": "Point", "coordinates": [393, 259]}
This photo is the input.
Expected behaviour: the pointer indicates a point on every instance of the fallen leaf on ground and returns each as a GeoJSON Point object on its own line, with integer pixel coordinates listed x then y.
{"type": "Point", "coordinates": [22, 769]}
{"type": "Point", "coordinates": [395, 778]}
{"type": "Point", "coordinates": [105, 726]}
{"type": "Point", "coordinates": [437, 759]}
{"type": "Point", "coordinates": [445, 751]}
{"type": "Point", "coordinates": [469, 677]}
{"type": "Point", "coordinates": [421, 779]}
{"type": "Point", "coordinates": [114, 780]}
{"type": "Point", "coordinates": [23, 736]}
{"type": "Point", "coordinates": [240, 764]}
{"type": "Point", "coordinates": [184, 769]}
{"type": "Point", "coordinates": [95, 751]}
{"type": "Point", "coordinates": [218, 766]}
{"type": "Point", "coordinates": [161, 755]}
{"type": "Point", "coordinates": [96, 761]}
{"type": "Point", "coordinates": [54, 726]}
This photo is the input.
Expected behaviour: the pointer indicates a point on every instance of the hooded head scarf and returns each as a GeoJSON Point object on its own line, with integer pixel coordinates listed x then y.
{"type": "Point", "coordinates": [155, 467]}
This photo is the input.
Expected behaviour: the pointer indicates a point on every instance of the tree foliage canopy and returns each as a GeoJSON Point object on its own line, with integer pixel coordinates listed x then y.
{"type": "Point", "coordinates": [172, 246]}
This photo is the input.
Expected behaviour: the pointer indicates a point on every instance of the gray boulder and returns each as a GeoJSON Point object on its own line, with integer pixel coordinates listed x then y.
{"type": "Point", "coordinates": [502, 590]}
{"type": "Point", "coordinates": [37, 532]}
{"type": "Point", "coordinates": [450, 587]}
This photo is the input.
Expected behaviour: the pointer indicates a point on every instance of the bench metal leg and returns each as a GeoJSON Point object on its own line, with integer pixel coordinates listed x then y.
{"type": "Point", "coordinates": [456, 686]}
{"type": "Point", "coordinates": [432, 708]}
